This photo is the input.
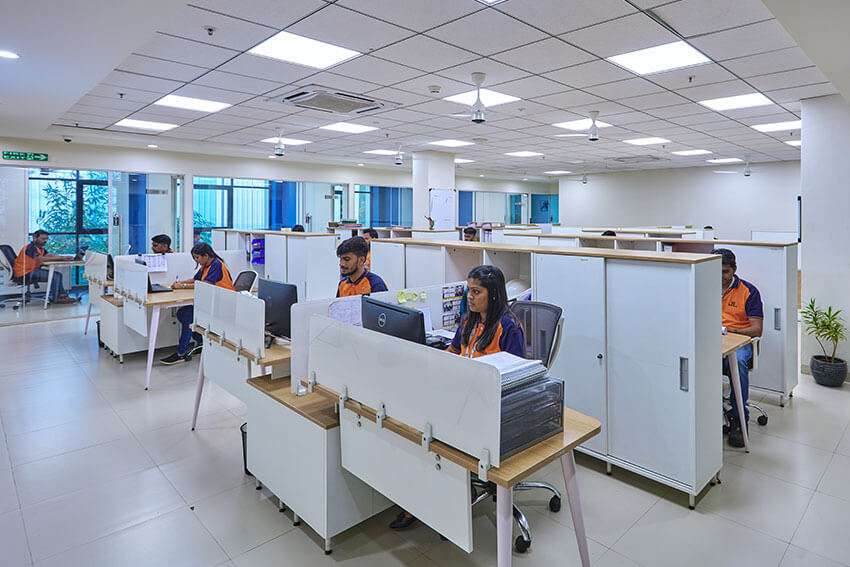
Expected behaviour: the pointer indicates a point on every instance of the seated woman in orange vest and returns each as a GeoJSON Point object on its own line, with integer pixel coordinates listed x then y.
{"type": "Point", "coordinates": [212, 270]}
{"type": "Point", "coordinates": [356, 279]}
{"type": "Point", "coordinates": [489, 327]}
{"type": "Point", "coordinates": [27, 268]}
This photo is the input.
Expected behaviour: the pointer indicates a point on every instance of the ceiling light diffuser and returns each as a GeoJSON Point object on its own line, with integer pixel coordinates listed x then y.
{"type": "Point", "coordinates": [292, 48]}
{"type": "Point", "coordinates": [153, 146]}
{"type": "Point", "coordinates": [451, 143]}
{"type": "Point", "coordinates": [582, 124]}
{"type": "Point", "coordinates": [557, 172]}
{"type": "Point", "coordinates": [382, 152]}
{"type": "Point", "coordinates": [189, 103]}
{"type": "Point", "coordinates": [491, 2]}
{"type": "Point", "coordinates": [674, 55]}
{"type": "Point", "coordinates": [725, 160]}
{"type": "Point", "coordinates": [721, 171]}
{"type": "Point", "coordinates": [779, 126]}
{"type": "Point", "coordinates": [9, 54]}
{"type": "Point", "coordinates": [691, 152]}
{"type": "Point", "coordinates": [145, 125]}
{"type": "Point", "coordinates": [348, 128]}
{"type": "Point", "coordinates": [488, 98]}
{"type": "Point", "coordinates": [735, 102]}
{"type": "Point", "coordinates": [287, 141]}
{"type": "Point", "coordinates": [795, 143]}
{"type": "Point", "coordinates": [647, 141]}
{"type": "Point", "coordinates": [463, 160]}
{"type": "Point", "coordinates": [524, 154]}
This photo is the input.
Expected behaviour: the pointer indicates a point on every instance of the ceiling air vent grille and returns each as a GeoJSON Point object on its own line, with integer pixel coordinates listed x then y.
{"type": "Point", "coordinates": [632, 160]}
{"type": "Point", "coordinates": [324, 99]}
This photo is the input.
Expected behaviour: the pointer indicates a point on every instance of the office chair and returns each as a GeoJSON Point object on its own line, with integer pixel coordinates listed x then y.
{"type": "Point", "coordinates": [542, 325]}
{"type": "Point", "coordinates": [245, 280]}
{"type": "Point", "coordinates": [7, 259]}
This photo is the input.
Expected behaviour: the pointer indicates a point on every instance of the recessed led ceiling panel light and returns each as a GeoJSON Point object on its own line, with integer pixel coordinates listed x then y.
{"type": "Point", "coordinates": [348, 128]}
{"type": "Point", "coordinates": [674, 55]}
{"type": "Point", "coordinates": [462, 160]}
{"type": "Point", "coordinates": [779, 126]}
{"type": "Point", "coordinates": [524, 154]}
{"type": "Point", "coordinates": [721, 171]}
{"type": "Point", "coordinates": [488, 98]}
{"type": "Point", "coordinates": [647, 141]}
{"type": "Point", "coordinates": [189, 103]}
{"type": "Point", "coordinates": [582, 124]}
{"type": "Point", "coordinates": [795, 143]}
{"type": "Point", "coordinates": [286, 141]}
{"type": "Point", "coordinates": [382, 152]}
{"type": "Point", "coordinates": [292, 48]}
{"type": "Point", "coordinates": [691, 152]}
{"type": "Point", "coordinates": [153, 146]}
{"type": "Point", "coordinates": [8, 54]}
{"type": "Point", "coordinates": [360, 165]}
{"type": "Point", "coordinates": [735, 102]}
{"type": "Point", "coordinates": [145, 125]}
{"type": "Point", "coordinates": [725, 160]}
{"type": "Point", "coordinates": [451, 143]}
{"type": "Point", "coordinates": [557, 172]}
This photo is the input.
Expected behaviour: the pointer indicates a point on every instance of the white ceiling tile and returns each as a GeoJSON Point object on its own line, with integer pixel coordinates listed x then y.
{"type": "Point", "coordinates": [496, 72]}
{"type": "Point", "coordinates": [130, 95]}
{"type": "Point", "coordinates": [623, 35]}
{"type": "Point", "coordinates": [186, 51]}
{"type": "Point", "coordinates": [693, 17]}
{"type": "Point", "coordinates": [226, 122]}
{"type": "Point", "coordinates": [420, 86]}
{"type": "Point", "coordinates": [543, 56]}
{"type": "Point", "coordinates": [569, 99]}
{"type": "Point", "coordinates": [414, 14]}
{"type": "Point", "coordinates": [606, 108]}
{"type": "Point", "coordinates": [557, 17]}
{"type": "Point", "coordinates": [209, 93]}
{"type": "Point", "coordinates": [267, 69]}
{"type": "Point", "coordinates": [350, 29]}
{"type": "Point", "coordinates": [716, 90]}
{"type": "Point", "coordinates": [441, 107]}
{"type": "Point", "coordinates": [140, 82]}
{"type": "Point", "coordinates": [83, 122]}
{"type": "Point", "coordinates": [788, 79]}
{"type": "Point", "coordinates": [425, 53]}
{"type": "Point", "coordinates": [588, 74]}
{"type": "Point", "coordinates": [746, 40]}
{"type": "Point", "coordinates": [397, 96]}
{"type": "Point", "coordinates": [270, 112]}
{"type": "Point", "coordinates": [486, 32]}
{"type": "Point", "coordinates": [168, 114]}
{"type": "Point", "coordinates": [190, 22]}
{"type": "Point", "coordinates": [761, 112]}
{"type": "Point", "coordinates": [772, 62]}
{"type": "Point", "coordinates": [83, 109]}
{"type": "Point", "coordinates": [692, 76]}
{"type": "Point", "coordinates": [800, 93]}
{"type": "Point", "coordinates": [698, 119]}
{"type": "Point", "coordinates": [530, 87]}
{"type": "Point", "coordinates": [625, 118]}
{"type": "Point", "coordinates": [239, 83]}
{"type": "Point", "coordinates": [650, 101]}
{"type": "Point", "coordinates": [623, 89]}
{"type": "Point", "coordinates": [160, 68]}
{"type": "Point", "coordinates": [406, 115]}
{"type": "Point", "coordinates": [266, 12]}
{"type": "Point", "coordinates": [115, 103]}
{"type": "Point", "coordinates": [679, 110]}
{"type": "Point", "coordinates": [338, 82]}
{"type": "Point", "coordinates": [375, 70]}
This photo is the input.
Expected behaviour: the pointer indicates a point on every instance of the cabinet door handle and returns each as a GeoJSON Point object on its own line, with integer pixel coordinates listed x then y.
{"type": "Point", "coordinates": [777, 318]}
{"type": "Point", "coordinates": [683, 373]}
{"type": "Point", "coordinates": [599, 356]}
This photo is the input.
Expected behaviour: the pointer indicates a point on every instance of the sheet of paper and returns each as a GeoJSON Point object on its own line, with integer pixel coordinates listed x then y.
{"type": "Point", "coordinates": [155, 262]}
{"type": "Point", "coordinates": [427, 316]}
{"type": "Point", "coordinates": [347, 310]}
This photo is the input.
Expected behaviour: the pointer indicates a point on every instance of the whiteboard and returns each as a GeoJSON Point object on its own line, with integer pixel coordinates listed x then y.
{"type": "Point", "coordinates": [443, 208]}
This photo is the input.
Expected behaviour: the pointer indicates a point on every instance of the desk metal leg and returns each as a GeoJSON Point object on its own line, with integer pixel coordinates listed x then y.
{"type": "Point", "coordinates": [198, 391]}
{"type": "Point", "coordinates": [50, 270]}
{"type": "Point", "coordinates": [735, 379]}
{"type": "Point", "coordinates": [568, 464]}
{"type": "Point", "coordinates": [88, 316]}
{"type": "Point", "coordinates": [504, 524]}
{"type": "Point", "coordinates": [152, 343]}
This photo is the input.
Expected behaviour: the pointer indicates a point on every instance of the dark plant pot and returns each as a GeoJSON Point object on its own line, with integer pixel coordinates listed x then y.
{"type": "Point", "coordinates": [830, 374]}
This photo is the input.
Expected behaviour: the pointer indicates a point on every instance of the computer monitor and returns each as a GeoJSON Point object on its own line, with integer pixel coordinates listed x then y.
{"type": "Point", "coordinates": [110, 267]}
{"type": "Point", "coordinates": [279, 298]}
{"type": "Point", "coordinates": [401, 322]}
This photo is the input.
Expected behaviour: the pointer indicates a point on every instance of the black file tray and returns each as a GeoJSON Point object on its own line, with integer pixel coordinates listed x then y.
{"type": "Point", "coordinates": [531, 412]}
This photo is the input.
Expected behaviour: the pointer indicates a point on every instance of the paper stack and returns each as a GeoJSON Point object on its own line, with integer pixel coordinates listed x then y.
{"type": "Point", "coordinates": [515, 371]}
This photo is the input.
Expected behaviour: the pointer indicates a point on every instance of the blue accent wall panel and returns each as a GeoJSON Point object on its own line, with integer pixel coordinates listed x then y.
{"type": "Point", "coordinates": [464, 207]}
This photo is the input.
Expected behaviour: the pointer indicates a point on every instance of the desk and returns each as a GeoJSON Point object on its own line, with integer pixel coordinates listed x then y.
{"type": "Point", "coordinates": [578, 428]}
{"type": "Point", "coordinates": [158, 301]}
{"type": "Point", "coordinates": [51, 267]}
{"type": "Point", "coordinates": [731, 343]}
{"type": "Point", "coordinates": [97, 289]}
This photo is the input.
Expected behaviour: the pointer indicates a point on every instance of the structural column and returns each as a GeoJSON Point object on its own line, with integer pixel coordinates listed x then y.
{"type": "Point", "coordinates": [431, 170]}
{"type": "Point", "coordinates": [187, 212]}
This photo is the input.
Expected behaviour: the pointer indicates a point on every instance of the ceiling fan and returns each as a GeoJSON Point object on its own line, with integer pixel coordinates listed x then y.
{"type": "Point", "coordinates": [477, 112]}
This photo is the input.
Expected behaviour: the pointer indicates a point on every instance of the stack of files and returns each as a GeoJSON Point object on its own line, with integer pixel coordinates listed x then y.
{"type": "Point", "coordinates": [515, 371]}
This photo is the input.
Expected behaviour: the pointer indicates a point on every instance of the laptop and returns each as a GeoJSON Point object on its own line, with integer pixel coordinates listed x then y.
{"type": "Point", "coordinates": [157, 288]}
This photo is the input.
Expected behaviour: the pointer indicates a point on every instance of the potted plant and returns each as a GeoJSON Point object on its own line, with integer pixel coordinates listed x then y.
{"type": "Point", "coordinates": [827, 327]}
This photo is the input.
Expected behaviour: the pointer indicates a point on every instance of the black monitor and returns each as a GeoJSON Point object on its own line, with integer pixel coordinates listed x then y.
{"type": "Point", "coordinates": [110, 267]}
{"type": "Point", "coordinates": [279, 298]}
{"type": "Point", "coordinates": [401, 322]}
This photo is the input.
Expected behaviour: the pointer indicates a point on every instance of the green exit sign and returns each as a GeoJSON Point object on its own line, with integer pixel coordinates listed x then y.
{"type": "Point", "coordinates": [25, 156]}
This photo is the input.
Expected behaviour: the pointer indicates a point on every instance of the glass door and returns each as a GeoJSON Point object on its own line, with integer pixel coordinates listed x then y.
{"type": "Point", "coordinates": [142, 207]}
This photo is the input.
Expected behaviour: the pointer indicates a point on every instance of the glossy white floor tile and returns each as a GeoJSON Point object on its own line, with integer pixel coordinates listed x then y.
{"type": "Point", "coordinates": [96, 471]}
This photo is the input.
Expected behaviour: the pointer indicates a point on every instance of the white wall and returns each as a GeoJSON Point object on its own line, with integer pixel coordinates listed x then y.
{"type": "Point", "coordinates": [826, 202]}
{"type": "Point", "coordinates": [733, 204]}
{"type": "Point", "coordinates": [13, 207]}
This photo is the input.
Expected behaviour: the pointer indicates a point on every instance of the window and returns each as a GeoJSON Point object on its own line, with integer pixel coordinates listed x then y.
{"type": "Point", "coordinates": [224, 202]}
{"type": "Point", "coordinates": [363, 204]}
{"type": "Point", "coordinates": [384, 206]}
{"type": "Point", "coordinates": [544, 208]}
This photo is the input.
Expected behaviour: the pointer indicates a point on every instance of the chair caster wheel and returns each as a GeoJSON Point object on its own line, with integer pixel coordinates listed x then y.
{"type": "Point", "coordinates": [521, 545]}
{"type": "Point", "coordinates": [762, 420]}
{"type": "Point", "coordinates": [555, 504]}
{"type": "Point", "coordinates": [328, 551]}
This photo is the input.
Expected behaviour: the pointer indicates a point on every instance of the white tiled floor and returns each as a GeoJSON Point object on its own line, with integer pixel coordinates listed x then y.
{"type": "Point", "coordinates": [94, 471]}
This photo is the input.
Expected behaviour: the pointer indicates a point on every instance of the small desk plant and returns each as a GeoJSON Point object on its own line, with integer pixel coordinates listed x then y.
{"type": "Point", "coordinates": [828, 328]}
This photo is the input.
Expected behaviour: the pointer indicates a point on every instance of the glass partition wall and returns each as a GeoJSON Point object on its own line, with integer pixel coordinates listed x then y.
{"type": "Point", "coordinates": [508, 208]}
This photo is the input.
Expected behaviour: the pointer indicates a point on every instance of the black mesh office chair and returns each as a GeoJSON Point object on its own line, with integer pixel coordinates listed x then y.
{"type": "Point", "coordinates": [245, 280]}
{"type": "Point", "coordinates": [8, 264]}
{"type": "Point", "coordinates": [542, 324]}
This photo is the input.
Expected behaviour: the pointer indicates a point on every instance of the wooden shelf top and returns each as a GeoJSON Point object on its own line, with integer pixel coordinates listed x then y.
{"type": "Point", "coordinates": [170, 297]}
{"type": "Point", "coordinates": [659, 239]}
{"type": "Point", "coordinates": [64, 263]}
{"type": "Point", "coordinates": [272, 356]}
{"type": "Point", "coordinates": [733, 341]}
{"type": "Point", "coordinates": [113, 300]}
{"type": "Point", "coordinates": [314, 406]}
{"type": "Point", "coordinates": [578, 428]}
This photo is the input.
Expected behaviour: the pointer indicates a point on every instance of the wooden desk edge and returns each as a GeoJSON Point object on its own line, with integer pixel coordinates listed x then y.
{"type": "Point", "coordinates": [734, 341]}
{"type": "Point", "coordinates": [276, 354]}
{"type": "Point", "coordinates": [513, 469]}
{"type": "Point", "coordinates": [315, 407]}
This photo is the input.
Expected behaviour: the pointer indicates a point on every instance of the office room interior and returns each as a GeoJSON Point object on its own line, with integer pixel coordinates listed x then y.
{"type": "Point", "coordinates": [601, 151]}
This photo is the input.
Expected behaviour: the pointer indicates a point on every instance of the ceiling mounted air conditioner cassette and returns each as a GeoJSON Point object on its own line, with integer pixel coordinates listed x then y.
{"type": "Point", "coordinates": [325, 99]}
